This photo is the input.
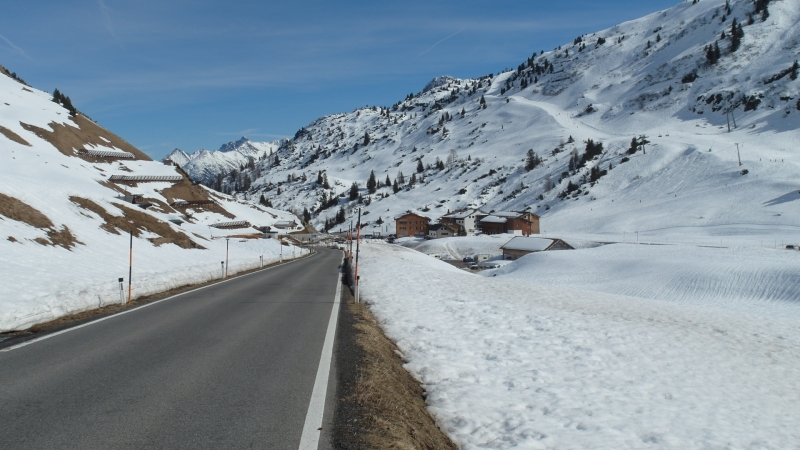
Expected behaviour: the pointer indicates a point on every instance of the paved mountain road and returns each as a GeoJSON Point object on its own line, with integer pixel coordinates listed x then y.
{"type": "Point", "coordinates": [229, 366]}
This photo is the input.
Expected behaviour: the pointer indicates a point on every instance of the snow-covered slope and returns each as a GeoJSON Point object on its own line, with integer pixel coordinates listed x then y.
{"type": "Point", "coordinates": [648, 77]}
{"type": "Point", "coordinates": [64, 225]}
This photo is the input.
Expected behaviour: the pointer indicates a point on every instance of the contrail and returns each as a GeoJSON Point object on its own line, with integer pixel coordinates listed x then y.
{"type": "Point", "coordinates": [106, 18]}
{"type": "Point", "coordinates": [11, 44]}
{"type": "Point", "coordinates": [448, 37]}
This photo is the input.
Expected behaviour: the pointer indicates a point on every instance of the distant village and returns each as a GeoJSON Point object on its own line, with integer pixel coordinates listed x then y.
{"type": "Point", "coordinates": [470, 222]}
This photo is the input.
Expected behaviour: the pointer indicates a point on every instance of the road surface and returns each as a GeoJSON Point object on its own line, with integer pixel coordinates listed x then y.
{"type": "Point", "coordinates": [229, 366]}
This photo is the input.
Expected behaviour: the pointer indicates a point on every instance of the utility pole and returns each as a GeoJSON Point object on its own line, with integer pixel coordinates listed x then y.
{"type": "Point", "coordinates": [737, 154]}
{"type": "Point", "coordinates": [358, 241]}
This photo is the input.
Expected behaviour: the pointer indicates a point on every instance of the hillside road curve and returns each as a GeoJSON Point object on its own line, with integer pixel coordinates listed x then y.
{"type": "Point", "coordinates": [231, 365]}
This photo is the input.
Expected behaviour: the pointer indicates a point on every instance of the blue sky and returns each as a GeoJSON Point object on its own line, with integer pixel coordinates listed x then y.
{"type": "Point", "coordinates": [196, 74]}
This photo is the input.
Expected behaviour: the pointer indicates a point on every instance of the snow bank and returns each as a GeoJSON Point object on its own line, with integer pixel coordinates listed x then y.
{"type": "Point", "coordinates": [752, 280]}
{"type": "Point", "coordinates": [511, 364]}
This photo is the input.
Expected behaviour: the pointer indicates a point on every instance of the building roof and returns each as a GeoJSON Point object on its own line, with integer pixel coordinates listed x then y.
{"type": "Point", "coordinates": [508, 214]}
{"type": "Point", "coordinates": [462, 214]}
{"type": "Point", "coordinates": [411, 213]}
{"type": "Point", "coordinates": [439, 226]}
{"type": "Point", "coordinates": [529, 244]}
{"type": "Point", "coordinates": [494, 219]}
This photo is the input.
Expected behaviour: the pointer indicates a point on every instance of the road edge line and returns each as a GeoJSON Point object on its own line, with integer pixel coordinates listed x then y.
{"type": "Point", "coordinates": [312, 427]}
{"type": "Point", "coordinates": [67, 330]}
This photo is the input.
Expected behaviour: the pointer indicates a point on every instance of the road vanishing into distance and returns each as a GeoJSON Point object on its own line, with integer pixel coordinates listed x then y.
{"type": "Point", "coordinates": [232, 365]}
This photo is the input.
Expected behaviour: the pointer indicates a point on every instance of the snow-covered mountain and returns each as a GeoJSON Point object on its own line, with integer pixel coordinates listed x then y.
{"type": "Point", "coordinates": [675, 78]}
{"type": "Point", "coordinates": [204, 165]}
{"type": "Point", "coordinates": [66, 211]}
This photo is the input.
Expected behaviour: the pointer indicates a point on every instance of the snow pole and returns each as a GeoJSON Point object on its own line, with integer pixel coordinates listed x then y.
{"type": "Point", "coordinates": [358, 241]}
{"type": "Point", "coordinates": [130, 267]}
{"type": "Point", "coordinates": [227, 246]}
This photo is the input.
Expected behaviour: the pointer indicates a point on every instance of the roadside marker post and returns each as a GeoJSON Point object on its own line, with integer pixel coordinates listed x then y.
{"type": "Point", "coordinates": [130, 269]}
{"type": "Point", "coordinates": [121, 291]}
{"type": "Point", "coordinates": [222, 267]}
{"type": "Point", "coordinates": [227, 246]}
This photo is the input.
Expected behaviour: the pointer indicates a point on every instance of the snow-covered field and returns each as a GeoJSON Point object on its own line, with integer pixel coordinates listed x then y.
{"type": "Point", "coordinates": [526, 360]}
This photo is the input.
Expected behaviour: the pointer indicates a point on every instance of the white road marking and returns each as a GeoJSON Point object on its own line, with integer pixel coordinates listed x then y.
{"type": "Point", "coordinates": [48, 336]}
{"type": "Point", "coordinates": [316, 407]}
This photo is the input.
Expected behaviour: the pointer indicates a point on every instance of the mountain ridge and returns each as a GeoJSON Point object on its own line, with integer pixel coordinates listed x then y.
{"type": "Point", "coordinates": [647, 79]}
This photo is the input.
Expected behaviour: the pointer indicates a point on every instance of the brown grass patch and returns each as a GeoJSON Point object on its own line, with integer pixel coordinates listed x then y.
{"type": "Point", "coordinates": [67, 138]}
{"type": "Point", "coordinates": [133, 221]}
{"type": "Point", "coordinates": [397, 416]}
{"type": "Point", "coordinates": [188, 191]}
{"type": "Point", "coordinates": [12, 239]}
{"type": "Point", "coordinates": [13, 136]}
{"type": "Point", "coordinates": [20, 211]}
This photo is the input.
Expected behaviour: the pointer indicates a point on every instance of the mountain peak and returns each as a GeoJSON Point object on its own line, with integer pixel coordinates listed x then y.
{"type": "Point", "coordinates": [231, 146]}
{"type": "Point", "coordinates": [438, 81]}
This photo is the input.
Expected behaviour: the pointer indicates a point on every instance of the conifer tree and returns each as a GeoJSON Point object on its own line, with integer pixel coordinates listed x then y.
{"type": "Point", "coordinates": [420, 167]}
{"type": "Point", "coordinates": [388, 181]}
{"type": "Point", "coordinates": [736, 35]}
{"type": "Point", "coordinates": [353, 191]}
{"type": "Point", "coordinates": [371, 183]}
{"type": "Point", "coordinates": [396, 186]}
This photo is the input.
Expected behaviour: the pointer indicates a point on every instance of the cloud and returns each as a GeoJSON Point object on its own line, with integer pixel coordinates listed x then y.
{"type": "Point", "coordinates": [11, 44]}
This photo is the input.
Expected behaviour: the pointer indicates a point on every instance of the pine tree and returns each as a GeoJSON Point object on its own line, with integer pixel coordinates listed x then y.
{"type": "Point", "coordinates": [388, 181]}
{"type": "Point", "coordinates": [325, 183]}
{"type": "Point", "coordinates": [634, 146]}
{"type": "Point", "coordinates": [793, 73]}
{"type": "Point", "coordinates": [353, 191]}
{"type": "Point", "coordinates": [400, 178]}
{"type": "Point", "coordinates": [532, 160]}
{"type": "Point", "coordinates": [306, 215]}
{"type": "Point", "coordinates": [319, 178]}
{"type": "Point", "coordinates": [420, 167]}
{"type": "Point", "coordinates": [413, 179]}
{"type": "Point", "coordinates": [371, 183]}
{"type": "Point", "coordinates": [366, 138]}
{"type": "Point", "coordinates": [396, 186]}
{"type": "Point", "coordinates": [736, 35]}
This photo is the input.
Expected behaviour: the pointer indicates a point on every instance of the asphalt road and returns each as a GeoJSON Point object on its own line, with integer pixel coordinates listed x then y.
{"type": "Point", "coordinates": [229, 366]}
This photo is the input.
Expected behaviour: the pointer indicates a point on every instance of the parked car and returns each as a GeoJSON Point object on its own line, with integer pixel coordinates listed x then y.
{"type": "Point", "coordinates": [474, 267]}
{"type": "Point", "coordinates": [468, 259]}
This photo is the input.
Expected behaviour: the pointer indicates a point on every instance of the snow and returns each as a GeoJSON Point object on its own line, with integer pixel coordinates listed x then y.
{"type": "Point", "coordinates": [531, 244]}
{"type": "Point", "coordinates": [41, 283]}
{"type": "Point", "coordinates": [509, 362]}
